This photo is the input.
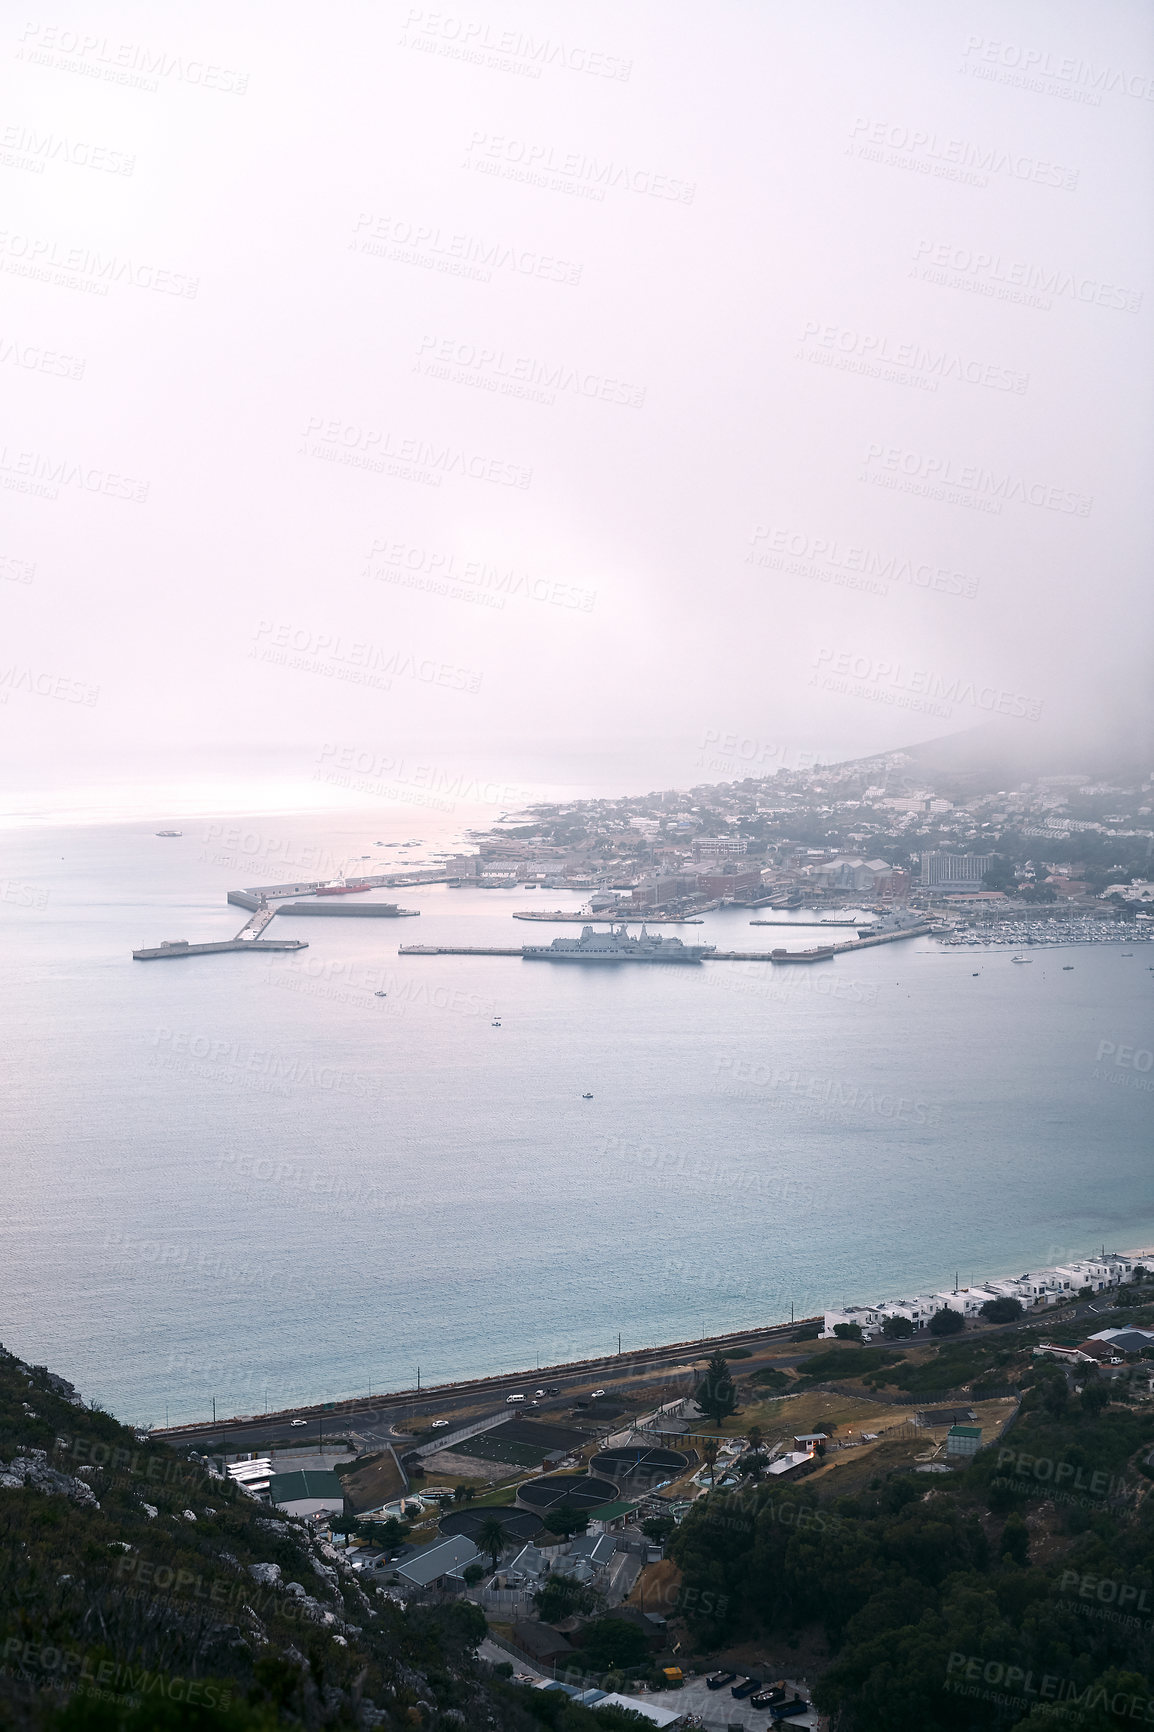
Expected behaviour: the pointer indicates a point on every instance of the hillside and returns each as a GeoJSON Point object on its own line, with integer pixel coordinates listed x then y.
{"type": "Point", "coordinates": [140, 1590]}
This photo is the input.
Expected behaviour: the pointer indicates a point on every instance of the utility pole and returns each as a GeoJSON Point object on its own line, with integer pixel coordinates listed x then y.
{"type": "Point", "coordinates": [214, 1410]}
{"type": "Point", "coordinates": [418, 1379]}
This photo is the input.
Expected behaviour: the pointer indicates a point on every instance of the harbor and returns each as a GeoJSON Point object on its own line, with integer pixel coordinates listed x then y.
{"type": "Point", "coordinates": [691, 954]}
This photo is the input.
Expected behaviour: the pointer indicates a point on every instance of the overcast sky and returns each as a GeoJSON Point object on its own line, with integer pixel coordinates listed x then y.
{"type": "Point", "coordinates": [556, 391]}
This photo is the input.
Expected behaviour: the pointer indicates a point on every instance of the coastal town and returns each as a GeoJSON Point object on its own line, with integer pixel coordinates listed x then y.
{"type": "Point", "coordinates": [895, 830]}
{"type": "Point", "coordinates": [563, 1510]}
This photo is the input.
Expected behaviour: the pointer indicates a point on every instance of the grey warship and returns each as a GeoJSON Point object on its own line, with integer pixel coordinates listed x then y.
{"type": "Point", "coordinates": [616, 946]}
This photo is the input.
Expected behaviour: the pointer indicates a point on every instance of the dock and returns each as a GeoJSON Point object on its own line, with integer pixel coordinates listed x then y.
{"type": "Point", "coordinates": [341, 909]}
{"type": "Point", "coordinates": [611, 915]}
{"type": "Point", "coordinates": [822, 953]}
{"type": "Point", "coordinates": [181, 947]}
{"type": "Point", "coordinates": [817, 922]}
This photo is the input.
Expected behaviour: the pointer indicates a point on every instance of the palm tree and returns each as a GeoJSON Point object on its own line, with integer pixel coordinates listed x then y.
{"type": "Point", "coordinates": [754, 1438]}
{"type": "Point", "coordinates": [491, 1537]}
{"type": "Point", "coordinates": [709, 1451]}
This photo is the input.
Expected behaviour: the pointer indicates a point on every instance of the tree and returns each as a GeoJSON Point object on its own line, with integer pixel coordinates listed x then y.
{"type": "Point", "coordinates": [473, 1574]}
{"type": "Point", "coordinates": [716, 1395]}
{"type": "Point", "coordinates": [999, 875]}
{"type": "Point", "coordinates": [491, 1537]}
{"type": "Point", "coordinates": [848, 1331]}
{"type": "Point", "coordinates": [561, 1597]}
{"type": "Point", "coordinates": [658, 1528]}
{"type": "Point", "coordinates": [1001, 1310]}
{"type": "Point", "coordinates": [897, 1328]}
{"type": "Point", "coordinates": [612, 1642]}
{"type": "Point", "coordinates": [709, 1452]}
{"type": "Point", "coordinates": [947, 1321]}
{"type": "Point", "coordinates": [566, 1519]}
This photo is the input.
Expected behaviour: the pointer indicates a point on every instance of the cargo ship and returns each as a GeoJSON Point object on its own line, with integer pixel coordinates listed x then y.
{"type": "Point", "coordinates": [616, 946]}
{"type": "Point", "coordinates": [339, 889]}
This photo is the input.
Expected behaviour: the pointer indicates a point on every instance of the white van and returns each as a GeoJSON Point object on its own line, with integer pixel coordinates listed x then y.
{"type": "Point", "coordinates": [509, 1399]}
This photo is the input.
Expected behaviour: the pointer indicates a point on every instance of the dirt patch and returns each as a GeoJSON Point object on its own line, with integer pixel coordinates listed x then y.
{"type": "Point", "coordinates": [372, 1482]}
{"type": "Point", "coordinates": [656, 1587]}
{"type": "Point", "coordinates": [447, 1463]}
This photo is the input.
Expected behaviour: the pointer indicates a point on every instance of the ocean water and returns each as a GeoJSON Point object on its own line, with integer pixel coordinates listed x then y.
{"type": "Point", "coordinates": [250, 1179]}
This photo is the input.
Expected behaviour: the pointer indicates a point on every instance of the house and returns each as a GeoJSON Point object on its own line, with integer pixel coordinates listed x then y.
{"type": "Point", "coordinates": [541, 1641]}
{"type": "Point", "coordinates": [963, 1440]}
{"type": "Point", "coordinates": [528, 1569]}
{"type": "Point", "coordinates": [1065, 1355]}
{"type": "Point", "coordinates": [1105, 1352]}
{"type": "Point", "coordinates": [795, 1463]}
{"type": "Point", "coordinates": [1126, 1340]}
{"type": "Point", "coordinates": [430, 1566]}
{"type": "Point", "coordinates": [307, 1493]}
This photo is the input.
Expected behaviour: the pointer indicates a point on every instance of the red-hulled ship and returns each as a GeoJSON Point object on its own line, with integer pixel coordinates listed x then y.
{"type": "Point", "coordinates": [342, 889]}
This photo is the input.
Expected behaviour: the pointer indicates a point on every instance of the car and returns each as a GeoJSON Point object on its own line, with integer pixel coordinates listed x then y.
{"type": "Point", "coordinates": [553, 1389]}
{"type": "Point", "coordinates": [509, 1399]}
{"type": "Point", "coordinates": [745, 1687]}
{"type": "Point", "coordinates": [298, 1421]}
{"type": "Point", "coordinates": [597, 1394]}
{"type": "Point", "coordinates": [537, 1394]}
{"type": "Point", "coordinates": [716, 1680]}
{"type": "Point", "coordinates": [437, 1424]}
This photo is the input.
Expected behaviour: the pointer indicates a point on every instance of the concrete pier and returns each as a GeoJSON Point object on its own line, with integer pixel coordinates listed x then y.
{"type": "Point", "coordinates": [822, 953]}
{"type": "Point", "coordinates": [181, 947]}
{"type": "Point", "coordinates": [341, 908]}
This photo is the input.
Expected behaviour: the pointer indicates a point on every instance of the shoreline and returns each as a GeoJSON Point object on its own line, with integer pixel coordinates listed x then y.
{"type": "Point", "coordinates": [627, 1364]}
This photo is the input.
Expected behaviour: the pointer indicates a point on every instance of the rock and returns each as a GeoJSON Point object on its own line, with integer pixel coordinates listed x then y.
{"type": "Point", "coordinates": [30, 1470]}
{"type": "Point", "coordinates": [268, 1575]}
{"type": "Point", "coordinates": [188, 1515]}
{"type": "Point", "coordinates": [150, 1509]}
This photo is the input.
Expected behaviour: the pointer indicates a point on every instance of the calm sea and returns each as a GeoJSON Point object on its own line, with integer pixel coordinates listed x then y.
{"type": "Point", "coordinates": [250, 1178]}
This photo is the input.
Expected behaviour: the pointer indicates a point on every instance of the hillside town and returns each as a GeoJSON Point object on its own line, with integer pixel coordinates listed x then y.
{"type": "Point", "coordinates": [887, 830]}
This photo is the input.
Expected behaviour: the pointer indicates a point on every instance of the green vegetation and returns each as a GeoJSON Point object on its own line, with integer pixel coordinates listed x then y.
{"type": "Point", "coordinates": [947, 1322]}
{"type": "Point", "coordinates": [608, 1643]}
{"type": "Point", "coordinates": [715, 1394]}
{"type": "Point", "coordinates": [911, 1579]}
{"type": "Point", "coordinates": [769, 1377]}
{"type": "Point", "coordinates": [897, 1328]}
{"type": "Point", "coordinates": [561, 1597]}
{"type": "Point", "coordinates": [738, 1353]}
{"type": "Point", "coordinates": [492, 1537]}
{"type": "Point", "coordinates": [1002, 1310]}
{"type": "Point", "coordinates": [848, 1331]}
{"type": "Point", "coordinates": [566, 1519]}
{"type": "Point", "coordinates": [842, 1362]}
{"type": "Point", "coordinates": [128, 1601]}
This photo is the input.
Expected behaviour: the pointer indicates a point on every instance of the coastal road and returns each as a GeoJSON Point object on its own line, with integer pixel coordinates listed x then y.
{"type": "Point", "coordinates": [387, 1417]}
{"type": "Point", "coordinates": [392, 1418]}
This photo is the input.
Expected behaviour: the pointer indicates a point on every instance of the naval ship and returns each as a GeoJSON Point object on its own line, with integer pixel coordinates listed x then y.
{"type": "Point", "coordinates": [616, 946]}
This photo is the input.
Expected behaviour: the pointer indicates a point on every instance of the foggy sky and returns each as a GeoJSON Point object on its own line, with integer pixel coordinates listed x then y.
{"type": "Point", "coordinates": [555, 391]}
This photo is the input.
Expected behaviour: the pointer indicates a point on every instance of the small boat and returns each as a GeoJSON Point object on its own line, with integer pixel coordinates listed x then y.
{"type": "Point", "coordinates": [975, 974]}
{"type": "Point", "coordinates": [586, 1097]}
{"type": "Point", "coordinates": [170, 832]}
{"type": "Point", "coordinates": [1024, 961]}
{"type": "Point", "coordinates": [496, 1023]}
{"type": "Point", "coordinates": [380, 995]}
{"type": "Point", "coordinates": [1067, 968]}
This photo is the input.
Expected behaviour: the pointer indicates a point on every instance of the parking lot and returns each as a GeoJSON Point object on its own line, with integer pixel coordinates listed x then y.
{"type": "Point", "coordinates": [718, 1710]}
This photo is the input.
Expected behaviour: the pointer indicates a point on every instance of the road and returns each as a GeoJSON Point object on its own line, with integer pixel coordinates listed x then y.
{"type": "Point", "coordinates": [390, 1418]}
{"type": "Point", "coordinates": [386, 1417]}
